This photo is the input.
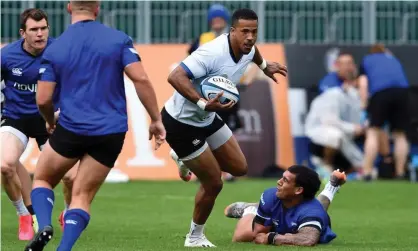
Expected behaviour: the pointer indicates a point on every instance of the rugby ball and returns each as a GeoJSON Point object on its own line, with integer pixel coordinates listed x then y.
{"type": "Point", "coordinates": [211, 86]}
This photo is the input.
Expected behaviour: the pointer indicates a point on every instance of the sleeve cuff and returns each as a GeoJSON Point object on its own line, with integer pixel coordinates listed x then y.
{"type": "Point", "coordinates": [188, 71]}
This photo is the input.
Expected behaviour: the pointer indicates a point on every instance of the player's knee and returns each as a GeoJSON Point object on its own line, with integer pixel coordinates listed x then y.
{"type": "Point", "coordinates": [214, 187]}
{"type": "Point", "coordinates": [8, 169]}
{"type": "Point", "coordinates": [240, 168]}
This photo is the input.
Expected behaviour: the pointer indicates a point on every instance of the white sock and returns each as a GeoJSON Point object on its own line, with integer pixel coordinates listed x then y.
{"type": "Point", "coordinates": [250, 210]}
{"type": "Point", "coordinates": [329, 191]}
{"type": "Point", "coordinates": [196, 230]}
{"type": "Point", "coordinates": [20, 207]}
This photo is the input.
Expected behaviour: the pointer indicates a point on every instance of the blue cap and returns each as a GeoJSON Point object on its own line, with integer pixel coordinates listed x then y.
{"type": "Point", "coordinates": [218, 10]}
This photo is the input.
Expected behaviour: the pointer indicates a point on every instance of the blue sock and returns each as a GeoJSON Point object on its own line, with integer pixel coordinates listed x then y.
{"type": "Point", "coordinates": [43, 203]}
{"type": "Point", "coordinates": [76, 220]}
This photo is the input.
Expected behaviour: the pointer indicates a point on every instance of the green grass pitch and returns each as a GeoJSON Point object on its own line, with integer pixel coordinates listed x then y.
{"type": "Point", "coordinates": [147, 215]}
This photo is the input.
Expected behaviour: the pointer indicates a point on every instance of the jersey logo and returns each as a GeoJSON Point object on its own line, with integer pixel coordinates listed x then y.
{"type": "Point", "coordinates": [42, 70]}
{"type": "Point", "coordinates": [195, 142]}
{"type": "Point", "coordinates": [23, 87]}
{"type": "Point", "coordinates": [262, 199]}
{"type": "Point", "coordinates": [17, 71]}
{"type": "Point", "coordinates": [72, 222]}
{"type": "Point", "coordinates": [133, 51]}
{"type": "Point", "coordinates": [50, 201]}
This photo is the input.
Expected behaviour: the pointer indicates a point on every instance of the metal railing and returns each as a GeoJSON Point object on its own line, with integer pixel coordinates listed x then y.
{"type": "Point", "coordinates": [305, 22]}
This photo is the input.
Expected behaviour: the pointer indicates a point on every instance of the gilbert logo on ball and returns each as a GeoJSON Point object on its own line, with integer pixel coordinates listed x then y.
{"type": "Point", "coordinates": [228, 83]}
{"type": "Point", "coordinates": [211, 86]}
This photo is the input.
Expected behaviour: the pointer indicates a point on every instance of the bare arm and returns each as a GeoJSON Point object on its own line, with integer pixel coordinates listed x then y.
{"type": "Point", "coordinates": [325, 202]}
{"type": "Point", "coordinates": [258, 228]}
{"type": "Point", "coordinates": [249, 235]}
{"type": "Point", "coordinates": [363, 85]}
{"type": "Point", "coordinates": [307, 236]}
{"type": "Point", "coordinates": [257, 59]}
{"type": "Point", "coordinates": [44, 95]}
{"type": "Point", "coordinates": [247, 229]}
{"type": "Point", "coordinates": [179, 79]}
{"type": "Point", "coordinates": [3, 66]}
{"type": "Point", "coordinates": [144, 89]}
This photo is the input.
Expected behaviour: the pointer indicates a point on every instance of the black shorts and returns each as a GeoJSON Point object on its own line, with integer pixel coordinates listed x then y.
{"type": "Point", "coordinates": [390, 105]}
{"type": "Point", "coordinates": [103, 148]}
{"type": "Point", "coordinates": [187, 140]}
{"type": "Point", "coordinates": [25, 128]}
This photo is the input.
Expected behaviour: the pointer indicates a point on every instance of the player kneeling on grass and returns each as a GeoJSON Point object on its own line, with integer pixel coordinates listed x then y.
{"type": "Point", "coordinates": [289, 214]}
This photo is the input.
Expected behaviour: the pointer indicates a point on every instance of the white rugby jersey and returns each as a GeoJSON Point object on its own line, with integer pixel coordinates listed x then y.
{"type": "Point", "coordinates": [211, 59]}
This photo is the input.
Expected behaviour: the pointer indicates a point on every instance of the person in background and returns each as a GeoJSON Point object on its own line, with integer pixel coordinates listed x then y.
{"type": "Point", "coordinates": [344, 68]}
{"type": "Point", "coordinates": [20, 62]}
{"type": "Point", "coordinates": [333, 124]}
{"type": "Point", "coordinates": [384, 91]}
{"type": "Point", "coordinates": [218, 19]}
{"type": "Point", "coordinates": [334, 120]}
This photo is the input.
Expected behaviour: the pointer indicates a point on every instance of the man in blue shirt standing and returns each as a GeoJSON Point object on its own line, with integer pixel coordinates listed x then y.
{"type": "Point", "coordinates": [87, 62]}
{"type": "Point", "coordinates": [384, 90]}
{"type": "Point", "coordinates": [345, 70]}
{"type": "Point", "coordinates": [289, 214]}
{"type": "Point", "coordinates": [20, 62]}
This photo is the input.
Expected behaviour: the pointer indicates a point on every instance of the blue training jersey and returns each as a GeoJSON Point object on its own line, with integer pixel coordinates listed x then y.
{"type": "Point", "coordinates": [289, 220]}
{"type": "Point", "coordinates": [329, 81]}
{"type": "Point", "coordinates": [87, 62]}
{"type": "Point", "coordinates": [19, 70]}
{"type": "Point", "coordinates": [383, 71]}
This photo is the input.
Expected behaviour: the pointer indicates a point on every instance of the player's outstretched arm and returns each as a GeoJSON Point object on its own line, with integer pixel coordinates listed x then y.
{"type": "Point", "coordinates": [269, 68]}
{"type": "Point", "coordinates": [324, 200]}
{"type": "Point", "coordinates": [306, 236]}
{"type": "Point", "coordinates": [364, 95]}
{"type": "Point", "coordinates": [363, 86]}
{"type": "Point", "coordinates": [143, 87]}
{"type": "Point", "coordinates": [45, 91]}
